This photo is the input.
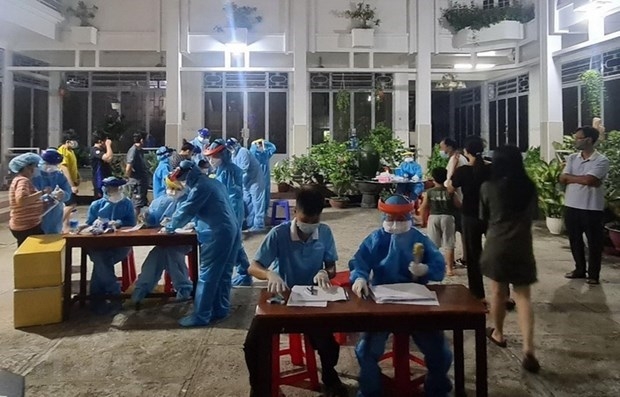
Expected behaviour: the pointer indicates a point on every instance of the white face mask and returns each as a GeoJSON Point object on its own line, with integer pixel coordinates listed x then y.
{"type": "Point", "coordinates": [396, 227]}
{"type": "Point", "coordinates": [215, 162]}
{"type": "Point", "coordinates": [201, 139]}
{"type": "Point", "coordinates": [307, 228]}
{"type": "Point", "coordinates": [115, 197]}
{"type": "Point", "coordinates": [443, 154]}
{"type": "Point", "coordinates": [408, 159]}
{"type": "Point", "coordinates": [49, 168]}
{"type": "Point", "coordinates": [73, 144]}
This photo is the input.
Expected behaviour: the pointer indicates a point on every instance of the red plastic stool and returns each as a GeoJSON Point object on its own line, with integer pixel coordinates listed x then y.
{"type": "Point", "coordinates": [402, 384]}
{"type": "Point", "coordinates": [128, 274]}
{"type": "Point", "coordinates": [295, 377]}
{"type": "Point", "coordinates": [342, 280]}
{"type": "Point", "coordinates": [168, 287]}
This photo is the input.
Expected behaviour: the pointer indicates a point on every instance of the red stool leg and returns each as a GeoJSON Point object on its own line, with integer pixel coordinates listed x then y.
{"type": "Point", "coordinates": [133, 276]}
{"type": "Point", "coordinates": [311, 364]}
{"type": "Point", "coordinates": [400, 347]}
{"type": "Point", "coordinates": [295, 347]}
{"type": "Point", "coordinates": [167, 283]}
{"type": "Point", "coordinates": [125, 275]}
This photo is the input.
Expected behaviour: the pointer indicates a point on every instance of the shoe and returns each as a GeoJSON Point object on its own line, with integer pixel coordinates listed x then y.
{"type": "Point", "coordinates": [242, 280]}
{"type": "Point", "coordinates": [190, 321]}
{"type": "Point", "coordinates": [460, 263]}
{"type": "Point", "coordinates": [530, 363]}
{"type": "Point", "coordinates": [256, 229]}
{"type": "Point", "coordinates": [496, 342]}
{"type": "Point", "coordinates": [593, 281]}
{"type": "Point", "coordinates": [336, 390]}
{"type": "Point", "coordinates": [510, 305]}
{"type": "Point", "coordinates": [574, 274]}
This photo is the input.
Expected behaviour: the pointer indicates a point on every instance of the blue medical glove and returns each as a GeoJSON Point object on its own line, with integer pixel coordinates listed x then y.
{"type": "Point", "coordinates": [169, 229]}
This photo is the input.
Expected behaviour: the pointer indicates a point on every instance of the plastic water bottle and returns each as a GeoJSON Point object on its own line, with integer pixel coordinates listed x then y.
{"type": "Point", "coordinates": [73, 222]}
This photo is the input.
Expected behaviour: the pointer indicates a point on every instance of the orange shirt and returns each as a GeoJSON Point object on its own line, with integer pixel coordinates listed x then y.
{"type": "Point", "coordinates": [24, 216]}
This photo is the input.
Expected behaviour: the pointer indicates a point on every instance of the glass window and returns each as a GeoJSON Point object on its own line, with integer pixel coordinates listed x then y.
{"type": "Point", "coordinates": [157, 116]}
{"type": "Point", "coordinates": [570, 110]}
{"type": "Point", "coordinates": [612, 116]}
{"type": "Point", "coordinates": [213, 114]}
{"type": "Point", "coordinates": [492, 125]}
{"type": "Point", "coordinates": [320, 116]}
{"type": "Point", "coordinates": [21, 117]}
{"type": "Point", "coordinates": [234, 114]}
{"type": "Point", "coordinates": [342, 120]}
{"type": "Point", "coordinates": [278, 120]}
{"type": "Point", "coordinates": [523, 123]}
{"type": "Point", "coordinates": [501, 122]}
{"type": "Point", "coordinates": [75, 114]}
{"type": "Point", "coordinates": [383, 109]}
{"type": "Point", "coordinates": [40, 119]}
{"type": "Point", "coordinates": [102, 108]}
{"type": "Point", "coordinates": [511, 123]}
{"type": "Point", "coordinates": [362, 109]}
{"type": "Point", "coordinates": [256, 115]}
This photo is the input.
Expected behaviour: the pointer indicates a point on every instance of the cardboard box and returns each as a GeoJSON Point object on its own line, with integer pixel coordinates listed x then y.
{"type": "Point", "coordinates": [37, 306]}
{"type": "Point", "coordinates": [39, 262]}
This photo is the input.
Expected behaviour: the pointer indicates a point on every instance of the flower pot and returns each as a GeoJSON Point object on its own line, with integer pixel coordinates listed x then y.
{"type": "Point", "coordinates": [504, 32]}
{"type": "Point", "coordinates": [362, 37]}
{"type": "Point", "coordinates": [614, 234]}
{"type": "Point", "coordinates": [555, 225]}
{"type": "Point", "coordinates": [370, 194]}
{"type": "Point", "coordinates": [338, 202]}
{"type": "Point", "coordinates": [283, 187]}
{"type": "Point", "coordinates": [84, 34]}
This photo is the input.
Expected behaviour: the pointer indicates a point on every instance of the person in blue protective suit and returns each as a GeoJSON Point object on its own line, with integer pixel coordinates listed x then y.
{"type": "Point", "coordinates": [231, 176]}
{"type": "Point", "coordinates": [299, 252]}
{"type": "Point", "coordinates": [389, 254]}
{"type": "Point", "coordinates": [169, 258]}
{"type": "Point", "coordinates": [253, 185]}
{"type": "Point", "coordinates": [263, 151]}
{"type": "Point", "coordinates": [118, 211]}
{"type": "Point", "coordinates": [412, 170]}
{"type": "Point", "coordinates": [219, 237]}
{"type": "Point", "coordinates": [162, 171]}
{"type": "Point", "coordinates": [200, 142]}
{"type": "Point", "coordinates": [53, 182]}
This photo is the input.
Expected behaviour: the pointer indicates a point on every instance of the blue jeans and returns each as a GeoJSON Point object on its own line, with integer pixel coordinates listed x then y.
{"type": "Point", "coordinates": [103, 280]}
{"type": "Point", "coordinates": [171, 259]}
{"type": "Point", "coordinates": [254, 200]}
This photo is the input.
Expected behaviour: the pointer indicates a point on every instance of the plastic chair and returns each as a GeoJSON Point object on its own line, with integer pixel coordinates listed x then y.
{"type": "Point", "coordinates": [276, 220]}
{"type": "Point", "coordinates": [128, 273]}
{"type": "Point", "coordinates": [168, 287]}
{"type": "Point", "coordinates": [306, 377]}
{"type": "Point", "coordinates": [402, 384]}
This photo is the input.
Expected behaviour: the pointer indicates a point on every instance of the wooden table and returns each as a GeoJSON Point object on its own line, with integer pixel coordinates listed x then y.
{"type": "Point", "coordinates": [142, 237]}
{"type": "Point", "coordinates": [458, 310]}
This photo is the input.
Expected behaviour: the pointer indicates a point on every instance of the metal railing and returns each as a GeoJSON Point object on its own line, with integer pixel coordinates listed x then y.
{"type": "Point", "coordinates": [55, 5]}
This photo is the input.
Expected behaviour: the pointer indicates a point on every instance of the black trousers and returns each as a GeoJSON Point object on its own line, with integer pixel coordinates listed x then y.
{"type": "Point", "coordinates": [473, 229]}
{"type": "Point", "coordinates": [22, 235]}
{"type": "Point", "coordinates": [322, 341]}
{"type": "Point", "coordinates": [589, 222]}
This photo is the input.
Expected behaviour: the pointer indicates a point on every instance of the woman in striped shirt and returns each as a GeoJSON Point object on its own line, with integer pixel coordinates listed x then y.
{"type": "Point", "coordinates": [24, 199]}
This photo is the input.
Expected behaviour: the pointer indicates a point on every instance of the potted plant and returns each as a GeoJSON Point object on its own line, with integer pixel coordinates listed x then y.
{"type": "Point", "coordinates": [86, 33]}
{"type": "Point", "coordinates": [364, 19]}
{"type": "Point", "coordinates": [242, 19]}
{"type": "Point", "coordinates": [282, 175]}
{"type": "Point", "coordinates": [304, 170]}
{"type": "Point", "coordinates": [593, 89]}
{"type": "Point", "coordinates": [472, 25]}
{"type": "Point", "coordinates": [550, 192]}
{"type": "Point", "coordinates": [610, 147]}
{"type": "Point", "coordinates": [342, 180]}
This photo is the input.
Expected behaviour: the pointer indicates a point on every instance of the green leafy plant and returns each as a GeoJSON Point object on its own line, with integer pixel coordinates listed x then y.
{"type": "Point", "coordinates": [281, 171]}
{"type": "Point", "coordinates": [593, 89]}
{"type": "Point", "coordinates": [83, 12]}
{"type": "Point", "coordinates": [436, 161]}
{"type": "Point", "coordinates": [532, 160]}
{"type": "Point", "coordinates": [610, 147]}
{"type": "Point", "coordinates": [363, 15]}
{"type": "Point", "coordinates": [151, 160]}
{"type": "Point", "coordinates": [305, 170]}
{"type": "Point", "coordinates": [460, 16]}
{"type": "Point", "coordinates": [564, 148]}
{"type": "Point", "coordinates": [550, 192]}
{"type": "Point", "coordinates": [388, 147]}
{"type": "Point", "coordinates": [336, 163]}
{"type": "Point", "coordinates": [240, 17]}
{"type": "Point", "coordinates": [343, 100]}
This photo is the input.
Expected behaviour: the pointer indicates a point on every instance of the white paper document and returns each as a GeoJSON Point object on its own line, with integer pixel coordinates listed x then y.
{"type": "Point", "coordinates": [405, 293]}
{"type": "Point", "coordinates": [312, 296]}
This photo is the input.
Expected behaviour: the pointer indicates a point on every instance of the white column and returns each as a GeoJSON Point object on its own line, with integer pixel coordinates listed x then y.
{"type": "Point", "coordinates": [8, 95]}
{"type": "Point", "coordinates": [400, 104]}
{"type": "Point", "coordinates": [423, 131]}
{"type": "Point", "coordinates": [484, 112]}
{"type": "Point", "coordinates": [299, 140]}
{"type": "Point", "coordinates": [54, 110]}
{"type": "Point", "coordinates": [551, 125]}
{"type": "Point", "coordinates": [533, 104]}
{"type": "Point", "coordinates": [172, 27]}
{"type": "Point", "coordinates": [193, 104]}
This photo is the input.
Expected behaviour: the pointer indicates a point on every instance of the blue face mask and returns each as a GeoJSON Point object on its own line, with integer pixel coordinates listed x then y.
{"type": "Point", "coordinates": [36, 173]}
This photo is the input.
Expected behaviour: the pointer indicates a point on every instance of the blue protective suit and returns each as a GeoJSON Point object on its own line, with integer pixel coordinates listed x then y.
{"type": "Point", "coordinates": [220, 240]}
{"type": "Point", "coordinates": [103, 281]}
{"type": "Point", "coordinates": [52, 221]}
{"type": "Point", "coordinates": [159, 176]}
{"type": "Point", "coordinates": [410, 170]}
{"type": "Point", "coordinates": [199, 157]}
{"type": "Point", "coordinates": [168, 258]}
{"type": "Point", "coordinates": [388, 256]}
{"type": "Point", "coordinates": [263, 158]}
{"type": "Point", "coordinates": [232, 177]}
{"type": "Point", "coordinates": [253, 188]}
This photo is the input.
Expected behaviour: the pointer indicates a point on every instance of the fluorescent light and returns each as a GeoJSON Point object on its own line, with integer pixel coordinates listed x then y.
{"type": "Point", "coordinates": [463, 66]}
{"type": "Point", "coordinates": [487, 54]}
{"type": "Point", "coordinates": [236, 47]}
{"type": "Point", "coordinates": [462, 55]}
{"type": "Point", "coordinates": [594, 7]}
{"type": "Point", "coordinates": [485, 66]}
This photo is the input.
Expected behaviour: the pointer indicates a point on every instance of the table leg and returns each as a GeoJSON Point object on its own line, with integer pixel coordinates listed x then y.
{"type": "Point", "coordinates": [402, 375]}
{"type": "Point", "coordinates": [66, 303]}
{"type": "Point", "coordinates": [481, 361]}
{"type": "Point", "coordinates": [82, 296]}
{"type": "Point", "coordinates": [193, 266]}
{"type": "Point", "coordinates": [459, 364]}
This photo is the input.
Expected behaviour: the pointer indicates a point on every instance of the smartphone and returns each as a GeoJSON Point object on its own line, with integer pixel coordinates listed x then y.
{"type": "Point", "coordinates": [277, 300]}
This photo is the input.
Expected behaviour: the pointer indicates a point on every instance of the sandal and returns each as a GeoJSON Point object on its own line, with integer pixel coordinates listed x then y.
{"type": "Point", "coordinates": [530, 363]}
{"type": "Point", "coordinates": [501, 344]}
{"type": "Point", "coordinates": [510, 304]}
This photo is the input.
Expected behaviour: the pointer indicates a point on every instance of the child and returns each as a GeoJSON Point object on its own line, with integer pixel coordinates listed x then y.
{"type": "Point", "coordinates": [299, 252]}
{"type": "Point", "coordinates": [441, 227]}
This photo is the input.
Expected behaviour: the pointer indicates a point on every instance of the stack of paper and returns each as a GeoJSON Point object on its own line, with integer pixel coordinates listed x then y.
{"type": "Point", "coordinates": [404, 293]}
{"type": "Point", "coordinates": [311, 296]}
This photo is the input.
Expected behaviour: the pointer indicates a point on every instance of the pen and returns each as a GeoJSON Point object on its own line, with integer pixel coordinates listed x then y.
{"type": "Point", "coordinates": [346, 294]}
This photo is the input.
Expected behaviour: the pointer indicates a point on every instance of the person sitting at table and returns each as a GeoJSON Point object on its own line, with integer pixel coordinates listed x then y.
{"type": "Point", "coordinates": [413, 171]}
{"type": "Point", "coordinates": [232, 177]}
{"type": "Point", "coordinates": [388, 253]}
{"type": "Point", "coordinates": [117, 210]}
{"type": "Point", "coordinates": [169, 258]}
{"type": "Point", "coordinates": [54, 183]}
{"type": "Point", "coordinates": [220, 240]}
{"type": "Point", "coordinates": [298, 252]}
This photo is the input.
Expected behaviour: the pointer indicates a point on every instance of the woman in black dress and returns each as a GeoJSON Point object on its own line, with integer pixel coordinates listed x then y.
{"type": "Point", "coordinates": [508, 205]}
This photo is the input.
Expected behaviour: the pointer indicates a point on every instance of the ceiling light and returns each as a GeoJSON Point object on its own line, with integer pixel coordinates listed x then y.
{"type": "Point", "coordinates": [482, 66]}
{"type": "Point", "coordinates": [462, 55]}
{"type": "Point", "coordinates": [449, 82]}
{"type": "Point", "coordinates": [463, 66]}
{"type": "Point", "coordinates": [594, 7]}
{"type": "Point", "coordinates": [487, 54]}
{"type": "Point", "coordinates": [236, 47]}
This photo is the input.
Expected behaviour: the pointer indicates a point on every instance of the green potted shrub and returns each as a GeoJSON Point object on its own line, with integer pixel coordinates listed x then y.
{"type": "Point", "coordinates": [550, 192]}
{"type": "Point", "coordinates": [342, 180]}
{"type": "Point", "coordinates": [305, 170]}
{"type": "Point", "coordinates": [435, 161]}
{"type": "Point", "coordinates": [364, 19]}
{"type": "Point", "coordinates": [242, 19]}
{"type": "Point", "coordinates": [86, 33]}
{"type": "Point", "coordinates": [281, 172]}
{"type": "Point", "coordinates": [610, 147]}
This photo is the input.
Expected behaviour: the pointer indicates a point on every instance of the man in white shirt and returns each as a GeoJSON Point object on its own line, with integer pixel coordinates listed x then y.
{"type": "Point", "coordinates": [585, 201]}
